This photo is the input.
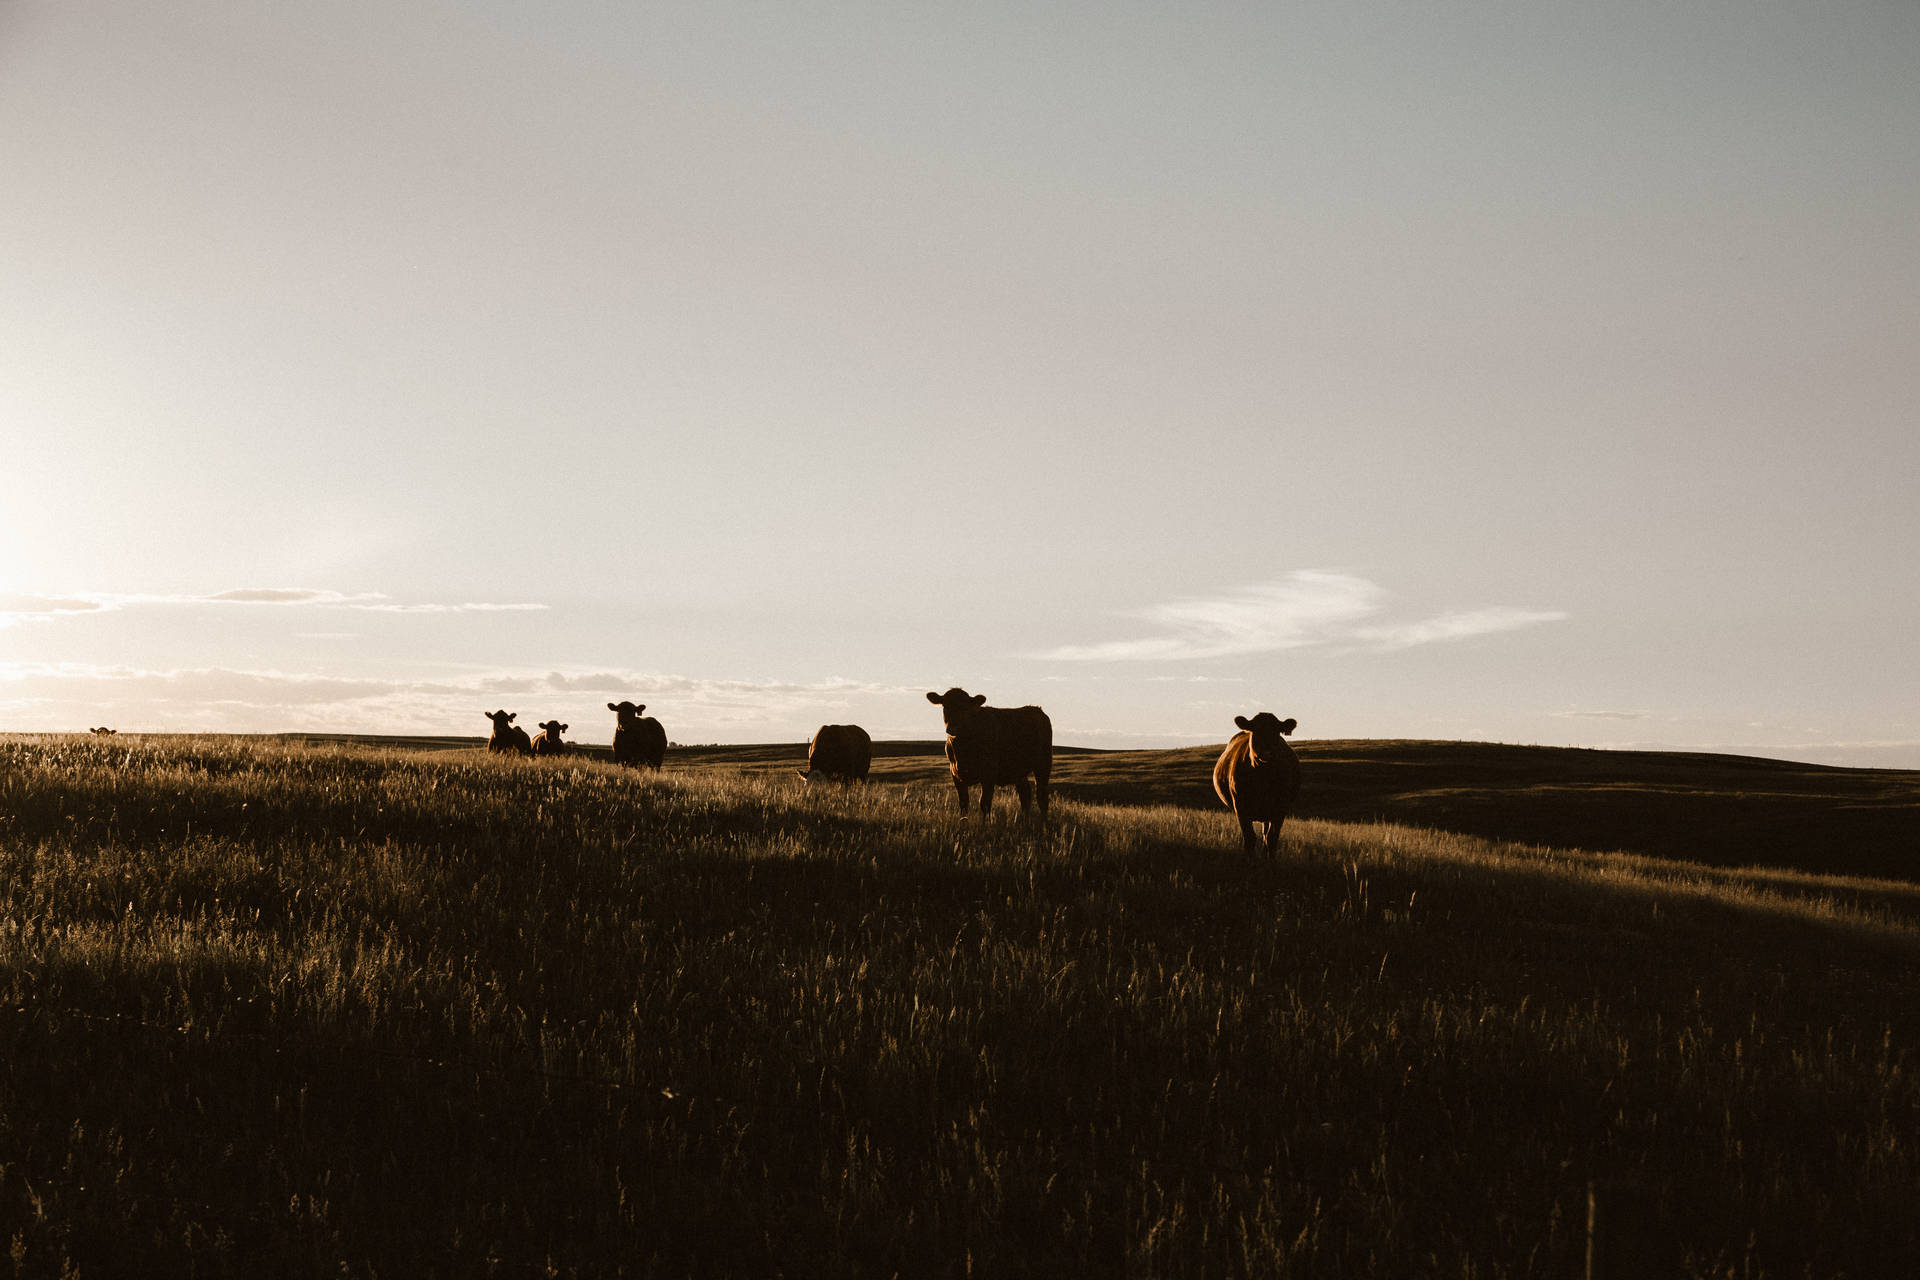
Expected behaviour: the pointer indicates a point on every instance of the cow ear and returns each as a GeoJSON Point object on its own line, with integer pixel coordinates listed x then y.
{"type": "Point", "coordinates": [1242, 722]}
{"type": "Point", "coordinates": [563, 728]}
{"type": "Point", "coordinates": [1287, 725]}
{"type": "Point", "coordinates": [613, 706]}
{"type": "Point", "coordinates": [979, 699]}
{"type": "Point", "coordinates": [934, 698]}
{"type": "Point", "coordinates": [513, 715]}
{"type": "Point", "coordinates": [642, 707]}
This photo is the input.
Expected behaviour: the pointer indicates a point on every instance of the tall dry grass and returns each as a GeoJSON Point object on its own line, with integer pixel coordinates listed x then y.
{"type": "Point", "coordinates": [274, 1010]}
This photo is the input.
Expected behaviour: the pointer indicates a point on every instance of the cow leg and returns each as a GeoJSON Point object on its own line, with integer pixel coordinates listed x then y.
{"type": "Point", "coordinates": [1024, 790]}
{"type": "Point", "coordinates": [1040, 788]}
{"type": "Point", "coordinates": [1273, 837]}
{"type": "Point", "coordinates": [961, 787]}
{"type": "Point", "coordinates": [1248, 844]}
{"type": "Point", "coordinates": [986, 799]}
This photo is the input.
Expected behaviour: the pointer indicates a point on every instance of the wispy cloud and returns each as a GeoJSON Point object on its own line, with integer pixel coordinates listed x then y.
{"type": "Point", "coordinates": [1602, 715]}
{"type": "Point", "coordinates": [267, 595]}
{"type": "Point", "coordinates": [18, 608]}
{"type": "Point", "coordinates": [50, 695]}
{"type": "Point", "coordinates": [1305, 608]}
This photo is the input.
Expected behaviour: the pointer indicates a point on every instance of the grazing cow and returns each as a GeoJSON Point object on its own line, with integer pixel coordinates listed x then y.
{"type": "Point", "coordinates": [548, 743]}
{"type": "Point", "coordinates": [1258, 776]}
{"type": "Point", "coordinates": [637, 740]}
{"type": "Point", "coordinates": [839, 753]}
{"type": "Point", "coordinates": [508, 737]}
{"type": "Point", "coordinates": [992, 745]}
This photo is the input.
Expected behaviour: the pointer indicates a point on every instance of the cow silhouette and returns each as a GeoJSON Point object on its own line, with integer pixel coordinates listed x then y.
{"type": "Point", "coordinates": [638, 740]}
{"type": "Point", "coordinates": [996, 745]}
{"type": "Point", "coordinates": [507, 737]}
{"type": "Point", "coordinates": [839, 753]}
{"type": "Point", "coordinates": [1258, 776]}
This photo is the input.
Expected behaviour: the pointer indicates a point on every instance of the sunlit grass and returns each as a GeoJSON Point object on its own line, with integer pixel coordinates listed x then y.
{"type": "Point", "coordinates": [272, 1010]}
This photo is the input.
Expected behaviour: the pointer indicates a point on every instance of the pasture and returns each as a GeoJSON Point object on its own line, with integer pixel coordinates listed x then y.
{"type": "Point", "coordinates": [289, 1008]}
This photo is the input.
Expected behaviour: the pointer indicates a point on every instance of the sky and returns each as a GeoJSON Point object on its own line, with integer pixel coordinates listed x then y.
{"type": "Point", "coordinates": [1538, 373]}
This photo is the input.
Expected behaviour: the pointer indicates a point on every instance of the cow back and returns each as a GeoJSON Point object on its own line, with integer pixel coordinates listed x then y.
{"type": "Point", "coordinates": [1262, 792]}
{"type": "Point", "coordinates": [1002, 744]}
{"type": "Point", "coordinates": [840, 751]}
{"type": "Point", "coordinates": [641, 741]}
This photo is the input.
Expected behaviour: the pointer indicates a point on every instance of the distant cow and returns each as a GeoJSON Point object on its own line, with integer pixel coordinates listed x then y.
{"type": "Point", "coordinates": [992, 745]}
{"type": "Point", "coordinates": [548, 743]}
{"type": "Point", "coordinates": [839, 753]}
{"type": "Point", "coordinates": [103, 731]}
{"type": "Point", "coordinates": [1258, 776]}
{"type": "Point", "coordinates": [508, 737]}
{"type": "Point", "coordinates": [637, 740]}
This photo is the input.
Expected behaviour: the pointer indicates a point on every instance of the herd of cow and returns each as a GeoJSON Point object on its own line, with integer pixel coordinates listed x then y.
{"type": "Point", "coordinates": [1257, 776]}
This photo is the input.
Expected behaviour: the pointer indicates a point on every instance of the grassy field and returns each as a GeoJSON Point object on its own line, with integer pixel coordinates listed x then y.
{"type": "Point", "coordinates": [270, 1008]}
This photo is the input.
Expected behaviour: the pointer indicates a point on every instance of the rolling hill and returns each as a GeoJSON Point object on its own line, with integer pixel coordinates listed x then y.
{"type": "Point", "coordinates": [1722, 810]}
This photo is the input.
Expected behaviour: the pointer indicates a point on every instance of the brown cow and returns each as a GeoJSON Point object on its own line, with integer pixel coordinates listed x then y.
{"type": "Point", "coordinates": [991, 745]}
{"type": "Point", "coordinates": [1258, 776]}
{"type": "Point", "coordinates": [637, 740]}
{"type": "Point", "coordinates": [548, 743]}
{"type": "Point", "coordinates": [508, 737]}
{"type": "Point", "coordinates": [838, 753]}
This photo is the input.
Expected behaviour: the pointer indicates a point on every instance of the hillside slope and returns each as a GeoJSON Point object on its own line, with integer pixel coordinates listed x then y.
{"type": "Point", "coordinates": [1722, 810]}
{"type": "Point", "coordinates": [271, 1010]}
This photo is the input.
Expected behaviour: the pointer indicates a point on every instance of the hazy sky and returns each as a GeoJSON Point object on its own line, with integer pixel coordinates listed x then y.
{"type": "Point", "coordinates": [1527, 372]}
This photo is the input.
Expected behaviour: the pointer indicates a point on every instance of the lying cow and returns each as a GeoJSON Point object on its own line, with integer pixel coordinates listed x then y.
{"type": "Point", "coordinates": [992, 745]}
{"type": "Point", "coordinates": [549, 743]}
{"type": "Point", "coordinates": [508, 737]}
{"type": "Point", "coordinates": [637, 740]}
{"type": "Point", "coordinates": [1258, 776]}
{"type": "Point", "coordinates": [839, 753]}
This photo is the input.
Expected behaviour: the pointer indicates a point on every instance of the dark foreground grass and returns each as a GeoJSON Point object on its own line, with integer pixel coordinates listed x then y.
{"type": "Point", "coordinates": [269, 1010]}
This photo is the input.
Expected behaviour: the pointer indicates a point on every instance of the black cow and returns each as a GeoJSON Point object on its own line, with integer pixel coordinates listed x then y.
{"type": "Point", "coordinates": [508, 738]}
{"type": "Point", "coordinates": [637, 740]}
{"type": "Point", "coordinates": [993, 745]}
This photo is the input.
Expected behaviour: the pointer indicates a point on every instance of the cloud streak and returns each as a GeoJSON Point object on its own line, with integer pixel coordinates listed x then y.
{"type": "Point", "coordinates": [224, 699]}
{"type": "Point", "coordinates": [1602, 715]}
{"type": "Point", "coordinates": [19, 608]}
{"type": "Point", "coordinates": [1306, 608]}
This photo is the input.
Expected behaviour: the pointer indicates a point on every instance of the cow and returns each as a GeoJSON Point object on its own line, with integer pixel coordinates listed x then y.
{"type": "Point", "coordinates": [637, 740]}
{"type": "Point", "coordinates": [508, 738]}
{"type": "Point", "coordinates": [838, 753]}
{"type": "Point", "coordinates": [992, 745]}
{"type": "Point", "coordinates": [1258, 776]}
{"type": "Point", "coordinates": [103, 732]}
{"type": "Point", "coordinates": [548, 743]}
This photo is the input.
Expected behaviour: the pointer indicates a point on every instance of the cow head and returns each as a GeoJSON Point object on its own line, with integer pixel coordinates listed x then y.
{"type": "Point", "coordinates": [957, 707]}
{"type": "Point", "coordinates": [1266, 734]}
{"type": "Point", "coordinates": [502, 720]}
{"type": "Point", "coordinates": [553, 727]}
{"type": "Point", "coordinates": [626, 711]}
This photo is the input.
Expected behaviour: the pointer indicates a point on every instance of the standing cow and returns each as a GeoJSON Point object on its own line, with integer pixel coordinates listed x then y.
{"type": "Point", "coordinates": [992, 745]}
{"type": "Point", "coordinates": [838, 753]}
{"type": "Point", "coordinates": [637, 740]}
{"type": "Point", "coordinates": [508, 738]}
{"type": "Point", "coordinates": [1258, 776]}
